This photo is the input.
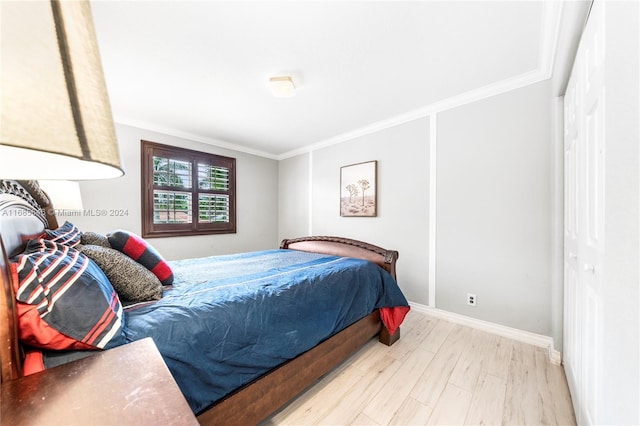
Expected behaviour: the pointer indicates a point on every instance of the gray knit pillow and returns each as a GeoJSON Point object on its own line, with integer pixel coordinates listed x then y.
{"type": "Point", "coordinates": [132, 281]}
{"type": "Point", "coordinates": [93, 238]}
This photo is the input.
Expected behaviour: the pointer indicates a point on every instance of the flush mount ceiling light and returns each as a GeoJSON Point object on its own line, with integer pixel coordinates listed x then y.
{"type": "Point", "coordinates": [282, 87]}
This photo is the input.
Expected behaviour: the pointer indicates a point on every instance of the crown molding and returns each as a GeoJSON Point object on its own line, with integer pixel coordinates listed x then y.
{"type": "Point", "coordinates": [127, 121]}
{"type": "Point", "coordinates": [550, 30]}
{"type": "Point", "coordinates": [475, 95]}
{"type": "Point", "coordinates": [549, 34]}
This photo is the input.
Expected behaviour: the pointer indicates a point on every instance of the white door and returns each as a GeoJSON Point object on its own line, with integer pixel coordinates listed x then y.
{"type": "Point", "coordinates": [584, 223]}
{"type": "Point", "coordinates": [572, 313]}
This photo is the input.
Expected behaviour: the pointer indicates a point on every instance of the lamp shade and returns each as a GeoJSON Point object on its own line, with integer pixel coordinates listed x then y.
{"type": "Point", "coordinates": [56, 117]}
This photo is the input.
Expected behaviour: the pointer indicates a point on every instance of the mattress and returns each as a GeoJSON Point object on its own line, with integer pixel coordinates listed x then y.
{"type": "Point", "coordinates": [229, 319]}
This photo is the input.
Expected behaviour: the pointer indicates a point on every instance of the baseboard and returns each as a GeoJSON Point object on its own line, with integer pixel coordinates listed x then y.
{"type": "Point", "coordinates": [555, 357]}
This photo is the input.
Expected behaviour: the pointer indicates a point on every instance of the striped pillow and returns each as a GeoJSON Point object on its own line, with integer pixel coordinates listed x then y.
{"type": "Point", "coordinates": [67, 234]}
{"type": "Point", "coordinates": [139, 250]}
{"type": "Point", "coordinates": [64, 300]}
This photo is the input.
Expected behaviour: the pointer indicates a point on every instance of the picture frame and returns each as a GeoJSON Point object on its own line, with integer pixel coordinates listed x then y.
{"type": "Point", "coordinates": [358, 189]}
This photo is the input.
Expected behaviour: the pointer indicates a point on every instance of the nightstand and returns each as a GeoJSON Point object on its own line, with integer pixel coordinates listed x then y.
{"type": "Point", "coordinates": [129, 385]}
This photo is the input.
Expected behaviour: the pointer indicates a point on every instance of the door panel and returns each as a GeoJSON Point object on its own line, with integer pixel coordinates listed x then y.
{"type": "Point", "coordinates": [584, 221]}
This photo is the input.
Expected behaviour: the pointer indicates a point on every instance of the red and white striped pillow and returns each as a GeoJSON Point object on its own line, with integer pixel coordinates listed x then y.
{"type": "Point", "coordinates": [64, 300]}
{"type": "Point", "coordinates": [68, 234]}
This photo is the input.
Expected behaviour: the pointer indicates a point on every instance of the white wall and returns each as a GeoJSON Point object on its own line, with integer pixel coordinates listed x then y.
{"type": "Point", "coordinates": [401, 224]}
{"type": "Point", "coordinates": [493, 209]}
{"type": "Point", "coordinates": [493, 228]}
{"type": "Point", "coordinates": [620, 326]}
{"type": "Point", "coordinates": [293, 199]}
{"type": "Point", "coordinates": [257, 202]}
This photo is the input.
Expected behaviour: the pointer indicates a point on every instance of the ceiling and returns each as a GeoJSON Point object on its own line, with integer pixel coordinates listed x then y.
{"type": "Point", "coordinates": [199, 68]}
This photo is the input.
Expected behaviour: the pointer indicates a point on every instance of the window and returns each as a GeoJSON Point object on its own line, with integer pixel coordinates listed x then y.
{"type": "Point", "coordinates": [186, 192]}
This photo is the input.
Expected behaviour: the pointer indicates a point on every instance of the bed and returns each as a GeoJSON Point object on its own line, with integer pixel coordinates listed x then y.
{"type": "Point", "coordinates": [286, 355]}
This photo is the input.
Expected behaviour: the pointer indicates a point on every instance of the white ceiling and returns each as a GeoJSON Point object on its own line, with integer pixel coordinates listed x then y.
{"type": "Point", "coordinates": [199, 68]}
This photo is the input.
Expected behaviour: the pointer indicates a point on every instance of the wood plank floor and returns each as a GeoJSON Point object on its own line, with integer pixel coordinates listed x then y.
{"type": "Point", "coordinates": [437, 373]}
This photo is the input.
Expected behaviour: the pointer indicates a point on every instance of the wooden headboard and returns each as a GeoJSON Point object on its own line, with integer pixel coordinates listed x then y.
{"type": "Point", "coordinates": [345, 247]}
{"type": "Point", "coordinates": [25, 211]}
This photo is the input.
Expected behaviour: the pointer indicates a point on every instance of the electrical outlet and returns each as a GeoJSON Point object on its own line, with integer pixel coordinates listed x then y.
{"type": "Point", "coordinates": [471, 299]}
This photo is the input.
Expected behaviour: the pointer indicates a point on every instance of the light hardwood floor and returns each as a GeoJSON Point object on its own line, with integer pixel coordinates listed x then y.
{"type": "Point", "coordinates": [437, 373]}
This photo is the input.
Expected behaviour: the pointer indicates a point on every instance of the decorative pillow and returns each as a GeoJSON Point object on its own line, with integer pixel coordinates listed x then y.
{"type": "Point", "coordinates": [67, 234]}
{"type": "Point", "coordinates": [139, 250]}
{"type": "Point", "coordinates": [132, 281]}
{"type": "Point", "coordinates": [94, 239]}
{"type": "Point", "coordinates": [64, 300]}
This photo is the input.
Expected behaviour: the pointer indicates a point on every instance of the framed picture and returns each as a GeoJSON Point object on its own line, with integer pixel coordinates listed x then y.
{"type": "Point", "coordinates": [358, 189]}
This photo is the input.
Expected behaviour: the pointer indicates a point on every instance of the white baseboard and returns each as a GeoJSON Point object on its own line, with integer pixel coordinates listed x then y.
{"type": "Point", "coordinates": [555, 357]}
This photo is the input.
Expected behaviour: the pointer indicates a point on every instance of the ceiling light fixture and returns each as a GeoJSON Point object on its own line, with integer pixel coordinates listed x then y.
{"type": "Point", "coordinates": [282, 87]}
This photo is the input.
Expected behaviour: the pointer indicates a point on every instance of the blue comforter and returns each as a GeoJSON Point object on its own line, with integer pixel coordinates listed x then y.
{"type": "Point", "coordinates": [229, 319]}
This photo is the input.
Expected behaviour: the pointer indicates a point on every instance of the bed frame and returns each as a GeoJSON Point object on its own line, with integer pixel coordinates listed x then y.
{"type": "Point", "coordinates": [25, 210]}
